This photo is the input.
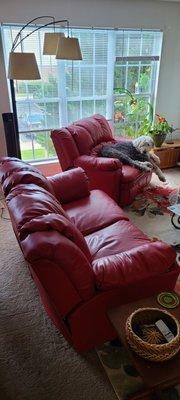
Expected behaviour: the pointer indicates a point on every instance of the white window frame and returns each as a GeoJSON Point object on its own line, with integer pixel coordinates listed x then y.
{"type": "Point", "coordinates": [63, 100]}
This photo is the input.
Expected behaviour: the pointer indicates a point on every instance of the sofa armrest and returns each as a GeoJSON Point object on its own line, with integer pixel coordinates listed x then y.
{"type": "Point", "coordinates": [70, 185]}
{"type": "Point", "coordinates": [97, 163]}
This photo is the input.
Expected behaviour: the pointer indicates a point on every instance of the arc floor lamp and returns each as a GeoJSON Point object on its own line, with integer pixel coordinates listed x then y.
{"type": "Point", "coordinates": [23, 66]}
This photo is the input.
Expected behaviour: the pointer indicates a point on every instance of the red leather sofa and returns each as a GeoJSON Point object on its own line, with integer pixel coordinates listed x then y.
{"type": "Point", "coordinates": [84, 254]}
{"type": "Point", "coordinates": [77, 146]}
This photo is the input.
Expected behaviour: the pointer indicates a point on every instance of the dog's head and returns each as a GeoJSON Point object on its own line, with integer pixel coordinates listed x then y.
{"type": "Point", "coordinates": [144, 144]}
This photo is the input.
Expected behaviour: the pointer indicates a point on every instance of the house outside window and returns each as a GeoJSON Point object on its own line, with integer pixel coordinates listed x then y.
{"type": "Point", "coordinates": [68, 91]}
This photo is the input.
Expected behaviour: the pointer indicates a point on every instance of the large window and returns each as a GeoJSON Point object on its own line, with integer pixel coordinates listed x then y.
{"type": "Point", "coordinates": [136, 70]}
{"type": "Point", "coordinates": [112, 59]}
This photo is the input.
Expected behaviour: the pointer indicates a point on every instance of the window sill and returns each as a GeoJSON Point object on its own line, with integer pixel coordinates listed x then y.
{"type": "Point", "coordinates": [48, 168]}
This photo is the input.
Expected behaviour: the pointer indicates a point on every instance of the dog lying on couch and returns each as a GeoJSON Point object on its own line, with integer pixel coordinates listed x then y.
{"type": "Point", "coordinates": [135, 153]}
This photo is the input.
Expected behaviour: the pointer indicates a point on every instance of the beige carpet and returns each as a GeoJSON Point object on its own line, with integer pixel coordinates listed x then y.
{"type": "Point", "coordinates": [36, 363]}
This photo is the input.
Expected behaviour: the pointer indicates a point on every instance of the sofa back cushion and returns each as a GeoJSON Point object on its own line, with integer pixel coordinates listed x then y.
{"type": "Point", "coordinates": [89, 132]}
{"type": "Point", "coordinates": [82, 137]}
{"type": "Point", "coordinates": [65, 147]}
{"type": "Point", "coordinates": [42, 227]}
{"type": "Point", "coordinates": [79, 138]}
{"type": "Point", "coordinates": [26, 202]}
{"type": "Point", "coordinates": [14, 172]}
{"type": "Point", "coordinates": [34, 209]}
{"type": "Point", "coordinates": [45, 232]}
{"type": "Point", "coordinates": [70, 186]}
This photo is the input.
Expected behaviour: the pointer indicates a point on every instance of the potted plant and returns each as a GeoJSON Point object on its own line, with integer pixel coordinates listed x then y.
{"type": "Point", "coordinates": [159, 130]}
{"type": "Point", "coordinates": [134, 117]}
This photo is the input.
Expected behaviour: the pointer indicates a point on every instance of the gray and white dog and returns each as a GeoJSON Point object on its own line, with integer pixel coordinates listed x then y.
{"type": "Point", "coordinates": [135, 153]}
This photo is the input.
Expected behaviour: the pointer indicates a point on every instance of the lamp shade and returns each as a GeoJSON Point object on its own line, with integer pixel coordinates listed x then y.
{"type": "Point", "coordinates": [51, 40]}
{"type": "Point", "coordinates": [23, 66]}
{"type": "Point", "coordinates": [68, 49]}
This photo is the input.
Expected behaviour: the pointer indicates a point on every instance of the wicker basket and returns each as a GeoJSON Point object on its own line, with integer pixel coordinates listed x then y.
{"type": "Point", "coordinates": [152, 352]}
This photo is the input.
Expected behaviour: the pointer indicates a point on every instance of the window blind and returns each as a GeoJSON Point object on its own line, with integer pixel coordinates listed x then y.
{"type": "Point", "coordinates": [69, 91]}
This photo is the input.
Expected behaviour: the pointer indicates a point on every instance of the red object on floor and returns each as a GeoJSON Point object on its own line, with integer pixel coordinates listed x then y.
{"type": "Point", "coordinates": [157, 198]}
{"type": "Point", "coordinates": [84, 254]}
{"type": "Point", "coordinates": [77, 146]}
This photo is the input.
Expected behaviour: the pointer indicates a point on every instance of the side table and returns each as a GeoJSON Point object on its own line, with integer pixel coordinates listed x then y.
{"type": "Point", "coordinates": [169, 154]}
{"type": "Point", "coordinates": [156, 376]}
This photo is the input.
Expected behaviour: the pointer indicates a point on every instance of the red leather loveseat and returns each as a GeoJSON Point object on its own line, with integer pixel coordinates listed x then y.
{"type": "Point", "coordinates": [84, 254]}
{"type": "Point", "coordinates": [77, 146]}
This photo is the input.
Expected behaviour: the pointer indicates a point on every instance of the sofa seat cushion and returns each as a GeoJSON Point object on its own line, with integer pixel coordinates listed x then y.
{"type": "Point", "coordinates": [130, 174]}
{"type": "Point", "coordinates": [122, 254]}
{"type": "Point", "coordinates": [94, 212]}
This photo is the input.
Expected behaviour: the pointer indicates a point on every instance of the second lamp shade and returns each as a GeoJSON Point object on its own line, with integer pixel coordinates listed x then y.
{"type": "Point", "coordinates": [51, 40]}
{"type": "Point", "coordinates": [68, 49]}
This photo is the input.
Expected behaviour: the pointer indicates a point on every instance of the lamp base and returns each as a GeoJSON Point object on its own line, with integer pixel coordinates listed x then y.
{"type": "Point", "coordinates": [12, 142]}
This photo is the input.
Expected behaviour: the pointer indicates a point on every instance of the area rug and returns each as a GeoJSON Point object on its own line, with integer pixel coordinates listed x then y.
{"type": "Point", "coordinates": [149, 213]}
{"type": "Point", "coordinates": [36, 362]}
{"type": "Point", "coordinates": [155, 200]}
{"type": "Point", "coordinates": [124, 377]}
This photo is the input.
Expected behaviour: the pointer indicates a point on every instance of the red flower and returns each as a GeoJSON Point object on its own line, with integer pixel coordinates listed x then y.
{"type": "Point", "coordinates": [118, 116]}
{"type": "Point", "coordinates": [161, 119]}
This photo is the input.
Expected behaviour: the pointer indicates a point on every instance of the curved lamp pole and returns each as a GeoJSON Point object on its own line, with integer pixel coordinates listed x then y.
{"type": "Point", "coordinates": [23, 66]}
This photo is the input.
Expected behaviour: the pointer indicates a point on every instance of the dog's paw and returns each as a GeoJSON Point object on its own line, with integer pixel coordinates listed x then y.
{"type": "Point", "coordinates": [162, 178]}
{"type": "Point", "coordinates": [144, 166]}
{"type": "Point", "coordinates": [147, 169]}
{"type": "Point", "coordinates": [148, 164]}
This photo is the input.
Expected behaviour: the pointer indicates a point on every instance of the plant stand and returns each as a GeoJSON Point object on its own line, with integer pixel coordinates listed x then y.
{"type": "Point", "coordinates": [169, 154]}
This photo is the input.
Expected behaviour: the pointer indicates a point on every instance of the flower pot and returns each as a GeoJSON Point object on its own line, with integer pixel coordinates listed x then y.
{"type": "Point", "coordinates": [159, 139]}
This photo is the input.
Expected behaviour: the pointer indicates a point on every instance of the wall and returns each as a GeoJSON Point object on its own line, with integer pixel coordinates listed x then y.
{"type": "Point", "coordinates": [4, 103]}
{"type": "Point", "coordinates": [48, 168]}
{"type": "Point", "coordinates": [113, 13]}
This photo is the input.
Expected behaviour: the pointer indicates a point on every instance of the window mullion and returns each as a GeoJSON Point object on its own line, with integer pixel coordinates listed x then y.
{"type": "Point", "coordinates": [127, 64]}
{"type": "Point", "coordinates": [153, 75]}
{"type": "Point", "coordinates": [140, 63]}
{"type": "Point", "coordinates": [62, 93]}
{"type": "Point", "coordinates": [110, 73]}
{"type": "Point", "coordinates": [94, 72]}
{"type": "Point", "coordinates": [41, 64]}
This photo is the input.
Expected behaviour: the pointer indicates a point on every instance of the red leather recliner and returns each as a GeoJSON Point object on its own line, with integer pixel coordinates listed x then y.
{"type": "Point", "coordinates": [84, 254]}
{"type": "Point", "coordinates": [77, 146]}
